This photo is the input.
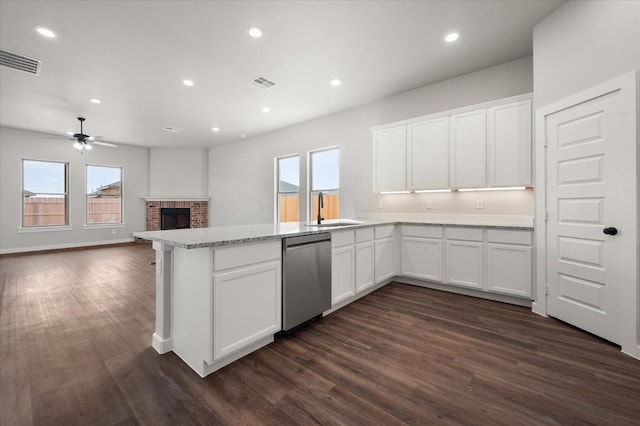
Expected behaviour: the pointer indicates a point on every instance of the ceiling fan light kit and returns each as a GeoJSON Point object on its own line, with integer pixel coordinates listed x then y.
{"type": "Point", "coordinates": [84, 142]}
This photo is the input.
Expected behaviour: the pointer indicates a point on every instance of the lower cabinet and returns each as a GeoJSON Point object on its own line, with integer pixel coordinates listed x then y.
{"type": "Point", "coordinates": [342, 274]}
{"type": "Point", "coordinates": [464, 263]}
{"type": "Point", "coordinates": [421, 252]}
{"type": "Point", "coordinates": [509, 262]}
{"type": "Point", "coordinates": [364, 259]}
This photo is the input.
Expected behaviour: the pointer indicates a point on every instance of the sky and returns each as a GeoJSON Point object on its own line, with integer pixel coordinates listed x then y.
{"type": "Point", "coordinates": [47, 177]}
{"type": "Point", "coordinates": [325, 169]}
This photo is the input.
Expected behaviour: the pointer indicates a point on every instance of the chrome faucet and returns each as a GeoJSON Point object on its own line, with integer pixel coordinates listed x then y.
{"type": "Point", "coordinates": [320, 206]}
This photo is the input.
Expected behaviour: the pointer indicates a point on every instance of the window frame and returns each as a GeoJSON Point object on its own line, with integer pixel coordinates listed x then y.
{"type": "Point", "coordinates": [312, 216]}
{"type": "Point", "coordinates": [277, 186]}
{"type": "Point", "coordinates": [88, 224]}
{"type": "Point", "coordinates": [65, 195]}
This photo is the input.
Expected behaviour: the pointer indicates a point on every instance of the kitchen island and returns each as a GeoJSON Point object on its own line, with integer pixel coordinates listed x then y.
{"type": "Point", "coordinates": [219, 289]}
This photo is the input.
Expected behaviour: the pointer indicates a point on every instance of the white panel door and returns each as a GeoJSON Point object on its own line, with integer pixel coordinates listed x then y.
{"type": "Point", "coordinates": [464, 263]}
{"type": "Point", "coordinates": [390, 164]}
{"type": "Point", "coordinates": [343, 283]}
{"type": "Point", "coordinates": [421, 258]}
{"type": "Point", "coordinates": [509, 145]}
{"type": "Point", "coordinates": [383, 265]}
{"type": "Point", "coordinates": [428, 154]}
{"type": "Point", "coordinates": [468, 149]}
{"type": "Point", "coordinates": [364, 266]}
{"type": "Point", "coordinates": [586, 196]}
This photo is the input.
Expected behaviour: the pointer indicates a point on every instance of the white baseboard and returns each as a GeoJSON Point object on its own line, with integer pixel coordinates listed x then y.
{"type": "Point", "coordinates": [162, 346]}
{"type": "Point", "coordinates": [65, 246]}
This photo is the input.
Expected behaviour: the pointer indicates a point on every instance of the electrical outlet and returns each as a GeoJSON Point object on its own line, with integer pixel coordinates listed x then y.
{"type": "Point", "coordinates": [380, 203]}
{"type": "Point", "coordinates": [479, 204]}
{"type": "Point", "coordinates": [428, 204]}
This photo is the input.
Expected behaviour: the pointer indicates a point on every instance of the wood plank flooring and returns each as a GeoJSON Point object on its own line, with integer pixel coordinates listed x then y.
{"type": "Point", "coordinates": [76, 326]}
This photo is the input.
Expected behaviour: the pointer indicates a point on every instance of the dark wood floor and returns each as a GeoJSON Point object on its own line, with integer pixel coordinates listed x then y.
{"type": "Point", "coordinates": [75, 349]}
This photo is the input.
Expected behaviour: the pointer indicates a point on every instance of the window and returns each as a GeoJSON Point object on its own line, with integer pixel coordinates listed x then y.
{"type": "Point", "coordinates": [44, 193]}
{"type": "Point", "coordinates": [104, 194]}
{"type": "Point", "coordinates": [325, 178]}
{"type": "Point", "coordinates": [288, 188]}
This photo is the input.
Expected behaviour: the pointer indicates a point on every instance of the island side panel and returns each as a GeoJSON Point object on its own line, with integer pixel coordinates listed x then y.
{"type": "Point", "coordinates": [162, 341]}
{"type": "Point", "coordinates": [192, 306]}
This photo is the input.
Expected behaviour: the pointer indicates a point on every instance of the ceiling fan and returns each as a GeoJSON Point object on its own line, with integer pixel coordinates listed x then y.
{"type": "Point", "coordinates": [84, 142]}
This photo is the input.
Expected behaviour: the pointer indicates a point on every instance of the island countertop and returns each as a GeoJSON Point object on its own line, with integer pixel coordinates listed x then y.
{"type": "Point", "coordinates": [230, 235]}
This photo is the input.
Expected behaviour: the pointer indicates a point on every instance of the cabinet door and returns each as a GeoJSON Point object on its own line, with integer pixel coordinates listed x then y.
{"type": "Point", "coordinates": [509, 269]}
{"type": "Point", "coordinates": [428, 154]}
{"type": "Point", "coordinates": [343, 283]}
{"type": "Point", "coordinates": [246, 306]}
{"type": "Point", "coordinates": [421, 258]}
{"type": "Point", "coordinates": [390, 153]}
{"type": "Point", "coordinates": [464, 263]}
{"type": "Point", "coordinates": [509, 145]}
{"type": "Point", "coordinates": [383, 266]}
{"type": "Point", "coordinates": [364, 266]}
{"type": "Point", "coordinates": [468, 149]}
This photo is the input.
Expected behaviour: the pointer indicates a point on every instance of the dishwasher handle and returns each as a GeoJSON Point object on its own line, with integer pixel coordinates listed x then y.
{"type": "Point", "coordinates": [305, 239]}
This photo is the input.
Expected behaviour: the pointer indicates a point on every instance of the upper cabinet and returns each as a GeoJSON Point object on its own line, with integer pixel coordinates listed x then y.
{"type": "Point", "coordinates": [390, 154]}
{"type": "Point", "coordinates": [509, 144]}
{"type": "Point", "coordinates": [468, 141]}
{"type": "Point", "coordinates": [428, 154]}
{"type": "Point", "coordinates": [486, 145]}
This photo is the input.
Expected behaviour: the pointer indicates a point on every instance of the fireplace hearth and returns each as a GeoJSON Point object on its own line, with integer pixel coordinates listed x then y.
{"type": "Point", "coordinates": [178, 214]}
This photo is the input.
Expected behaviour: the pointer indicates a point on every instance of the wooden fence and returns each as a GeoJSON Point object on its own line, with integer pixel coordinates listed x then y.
{"type": "Point", "coordinates": [290, 211]}
{"type": "Point", "coordinates": [43, 211]}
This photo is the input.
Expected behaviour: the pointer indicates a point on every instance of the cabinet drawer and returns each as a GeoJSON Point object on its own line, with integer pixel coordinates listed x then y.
{"type": "Point", "coordinates": [246, 254]}
{"type": "Point", "coordinates": [384, 231]}
{"type": "Point", "coordinates": [509, 237]}
{"type": "Point", "coordinates": [422, 231]}
{"type": "Point", "coordinates": [364, 235]}
{"type": "Point", "coordinates": [466, 234]}
{"type": "Point", "coordinates": [339, 239]}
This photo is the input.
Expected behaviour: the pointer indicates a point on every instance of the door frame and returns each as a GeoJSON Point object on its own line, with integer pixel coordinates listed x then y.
{"type": "Point", "coordinates": [629, 292]}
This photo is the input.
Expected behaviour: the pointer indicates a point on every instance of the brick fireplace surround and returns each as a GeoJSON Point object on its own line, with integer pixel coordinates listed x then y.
{"type": "Point", "coordinates": [199, 212]}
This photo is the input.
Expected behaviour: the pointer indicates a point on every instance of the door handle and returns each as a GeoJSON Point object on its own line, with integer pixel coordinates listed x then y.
{"type": "Point", "coordinates": [610, 231]}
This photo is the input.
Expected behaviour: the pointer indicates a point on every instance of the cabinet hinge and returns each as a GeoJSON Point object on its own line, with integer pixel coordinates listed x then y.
{"type": "Point", "coordinates": [546, 216]}
{"type": "Point", "coordinates": [546, 141]}
{"type": "Point", "coordinates": [546, 290]}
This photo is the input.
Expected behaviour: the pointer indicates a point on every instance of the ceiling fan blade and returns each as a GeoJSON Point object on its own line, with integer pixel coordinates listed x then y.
{"type": "Point", "coordinates": [109, 144]}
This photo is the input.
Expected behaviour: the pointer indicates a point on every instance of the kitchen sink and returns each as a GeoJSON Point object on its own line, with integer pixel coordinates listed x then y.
{"type": "Point", "coordinates": [332, 224]}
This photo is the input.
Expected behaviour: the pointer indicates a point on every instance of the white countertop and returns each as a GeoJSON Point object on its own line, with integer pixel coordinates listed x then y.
{"type": "Point", "coordinates": [228, 235]}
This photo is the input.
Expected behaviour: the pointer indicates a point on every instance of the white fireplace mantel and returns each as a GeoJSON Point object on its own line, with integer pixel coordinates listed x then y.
{"type": "Point", "coordinates": [174, 198]}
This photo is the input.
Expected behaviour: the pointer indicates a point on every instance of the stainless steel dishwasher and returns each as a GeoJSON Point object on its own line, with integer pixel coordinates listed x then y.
{"type": "Point", "coordinates": [306, 280]}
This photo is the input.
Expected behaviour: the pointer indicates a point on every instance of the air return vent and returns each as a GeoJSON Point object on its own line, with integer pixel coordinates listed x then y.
{"type": "Point", "coordinates": [263, 83]}
{"type": "Point", "coordinates": [19, 62]}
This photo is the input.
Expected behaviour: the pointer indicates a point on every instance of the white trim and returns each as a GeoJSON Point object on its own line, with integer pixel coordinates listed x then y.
{"type": "Point", "coordinates": [162, 346]}
{"type": "Point", "coordinates": [104, 225]}
{"type": "Point", "coordinates": [468, 108]}
{"type": "Point", "coordinates": [173, 198]}
{"type": "Point", "coordinates": [64, 246]}
{"type": "Point", "coordinates": [44, 229]}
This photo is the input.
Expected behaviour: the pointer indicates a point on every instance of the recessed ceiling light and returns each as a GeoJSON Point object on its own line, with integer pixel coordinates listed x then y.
{"type": "Point", "coordinates": [451, 37]}
{"type": "Point", "coordinates": [255, 32]}
{"type": "Point", "coordinates": [335, 82]}
{"type": "Point", "coordinates": [266, 110]}
{"type": "Point", "coordinates": [215, 129]}
{"type": "Point", "coordinates": [95, 101]}
{"type": "Point", "coordinates": [243, 136]}
{"type": "Point", "coordinates": [172, 129]}
{"type": "Point", "coordinates": [188, 83]}
{"type": "Point", "coordinates": [45, 32]}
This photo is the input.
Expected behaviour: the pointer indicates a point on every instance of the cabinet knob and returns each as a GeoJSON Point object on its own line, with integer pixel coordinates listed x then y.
{"type": "Point", "coordinates": [610, 231]}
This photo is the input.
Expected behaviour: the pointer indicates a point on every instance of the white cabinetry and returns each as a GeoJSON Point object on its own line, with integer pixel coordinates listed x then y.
{"type": "Point", "coordinates": [343, 280]}
{"type": "Point", "coordinates": [464, 251]}
{"type": "Point", "coordinates": [246, 296]}
{"type": "Point", "coordinates": [509, 144]}
{"type": "Point", "coordinates": [509, 262]}
{"type": "Point", "coordinates": [421, 252]}
{"type": "Point", "coordinates": [364, 259]}
{"type": "Point", "coordinates": [390, 156]}
{"type": "Point", "coordinates": [468, 149]}
{"type": "Point", "coordinates": [383, 250]}
{"type": "Point", "coordinates": [428, 154]}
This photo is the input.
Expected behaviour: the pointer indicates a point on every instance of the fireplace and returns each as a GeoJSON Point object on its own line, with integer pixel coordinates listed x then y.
{"type": "Point", "coordinates": [175, 218]}
{"type": "Point", "coordinates": [176, 214]}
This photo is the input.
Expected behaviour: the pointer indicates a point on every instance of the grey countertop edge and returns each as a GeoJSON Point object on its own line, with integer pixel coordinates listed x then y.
{"type": "Point", "coordinates": [238, 241]}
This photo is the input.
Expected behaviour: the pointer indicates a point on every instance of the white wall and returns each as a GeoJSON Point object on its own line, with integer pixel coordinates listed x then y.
{"type": "Point", "coordinates": [241, 174]}
{"type": "Point", "coordinates": [16, 145]}
{"type": "Point", "coordinates": [584, 43]}
{"type": "Point", "coordinates": [178, 172]}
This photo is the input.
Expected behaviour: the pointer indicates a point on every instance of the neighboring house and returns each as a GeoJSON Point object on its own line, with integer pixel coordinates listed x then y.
{"type": "Point", "coordinates": [288, 187]}
{"type": "Point", "coordinates": [106, 190]}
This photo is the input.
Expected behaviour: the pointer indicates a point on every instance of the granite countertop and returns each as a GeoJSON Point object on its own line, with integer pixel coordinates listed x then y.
{"type": "Point", "coordinates": [230, 235]}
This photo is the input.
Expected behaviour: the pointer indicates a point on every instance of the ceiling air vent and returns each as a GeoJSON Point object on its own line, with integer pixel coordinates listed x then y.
{"type": "Point", "coordinates": [19, 62]}
{"type": "Point", "coordinates": [263, 83]}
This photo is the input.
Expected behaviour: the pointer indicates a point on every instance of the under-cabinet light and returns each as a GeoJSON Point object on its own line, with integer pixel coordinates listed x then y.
{"type": "Point", "coordinates": [421, 191]}
{"type": "Point", "coordinates": [503, 188]}
{"type": "Point", "coordinates": [395, 192]}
